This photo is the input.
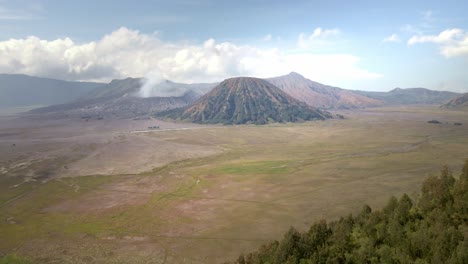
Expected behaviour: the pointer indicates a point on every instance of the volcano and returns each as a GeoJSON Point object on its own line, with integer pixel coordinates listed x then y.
{"type": "Point", "coordinates": [246, 100]}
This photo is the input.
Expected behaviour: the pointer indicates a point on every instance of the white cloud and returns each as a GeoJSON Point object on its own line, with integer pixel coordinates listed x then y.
{"type": "Point", "coordinates": [427, 23]}
{"type": "Point", "coordinates": [267, 37]}
{"type": "Point", "coordinates": [452, 42]}
{"type": "Point", "coordinates": [318, 37]}
{"type": "Point", "coordinates": [392, 38]}
{"type": "Point", "coordinates": [326, 68]}
{"type": "Point", "coordinates": [129, 53]}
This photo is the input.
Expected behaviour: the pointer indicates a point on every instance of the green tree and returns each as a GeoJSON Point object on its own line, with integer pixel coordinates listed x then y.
{"type": "Point", "coordinates": [288, 247]}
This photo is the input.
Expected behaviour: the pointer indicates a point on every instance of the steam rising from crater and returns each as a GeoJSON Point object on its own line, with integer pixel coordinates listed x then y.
{"type": "Point", "coordinates": [155, 85]}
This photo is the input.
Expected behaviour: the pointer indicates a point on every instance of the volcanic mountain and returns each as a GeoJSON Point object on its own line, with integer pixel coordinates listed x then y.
{"type": "Point", "coordinates": [411, 96]}
{"type": "Point", "coordinates": [460, 102]}
{"type": "Point", "coordinates": [23, 90]}
{"type": "Point", "coordinates": [121, 99]}
{"type": "Point", "coordinates": [132, 86]}
{"type": "Point", "coordinates": [245, 100]}
{"type": "Point", "coordinates": [319, 95]}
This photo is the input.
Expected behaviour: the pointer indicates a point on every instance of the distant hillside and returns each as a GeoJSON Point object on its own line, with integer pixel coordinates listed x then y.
{"type": "Point", "coordinates": [120, 99]}
{"type": "Point", "coordinates": [23, 90]}
{"type": "Point", "coordinates": [411, 96]}
{"type": "Point", "coordinates": [320, 95]}
{"type": "Point", "coordinates": [119, 107]}
{"type": "Point", "coordinates": [247, 100]}
{"type": "Point", "coordinates": [116, 88]}
{"type": "Point", "coordinates": [131, 86]}
{"type": "Point", "coordinates": [460, 102]}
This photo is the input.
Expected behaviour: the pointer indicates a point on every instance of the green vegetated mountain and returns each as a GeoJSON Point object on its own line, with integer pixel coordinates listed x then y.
{"type": "Point", "coordinates": [319, 95]}
{"type": "Point", "coordinates": [411, 96]}
{"type": "Point", "coordinates": [122, 99]}
{"type": "Point", "coordinates": [460, 102]}
{"type": "Point", "coordinates": [432, 229]}
{"type": "Point", "coordinates": [247, 100]}
{"type": "Point", "coordinates": [23, 90]}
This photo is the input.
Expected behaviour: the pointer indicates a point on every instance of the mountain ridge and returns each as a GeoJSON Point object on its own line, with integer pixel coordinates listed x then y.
{"type": "Point", "coordinates": [244, 100]}
{"type": "Point", "coordinates": [132, 86]}
{"type": "Point", "coordinates": [460, 102]}
{"type": "Point", "coordinates": [411, 96]}
{"type": "Point", "coordinates": [121, 95]}
{"type": "Point", "coordinates": [24, 90]}
{"type": "Point", "coordinates": [120, 98]}
{"type": "Point", "coordinates": [320, 95]}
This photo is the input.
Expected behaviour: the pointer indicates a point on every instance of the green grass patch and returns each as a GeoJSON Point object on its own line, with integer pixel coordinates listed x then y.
{"type": "Point", "coordinates": [14, 259]}
{"type": "Point", "coordinates": [11, 187]}
{"type": "Point", "coordinates": [258, 167]}
{"type": "Point", "coordinates": [27, 220]}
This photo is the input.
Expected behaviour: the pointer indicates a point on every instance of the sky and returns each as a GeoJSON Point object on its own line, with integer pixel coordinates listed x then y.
{"type": "Point", "coordinates": [364, 45]}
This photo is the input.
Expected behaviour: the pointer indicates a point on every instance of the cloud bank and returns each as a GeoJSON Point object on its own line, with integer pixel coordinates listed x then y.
{"type": "Point", "coordinates": [129, 53]}
{"type": "Point", "coordinates": [452, 42]}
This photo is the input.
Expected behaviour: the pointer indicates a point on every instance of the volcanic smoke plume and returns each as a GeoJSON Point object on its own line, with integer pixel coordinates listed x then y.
{"type": "Point", "coordinates": [155, 85]}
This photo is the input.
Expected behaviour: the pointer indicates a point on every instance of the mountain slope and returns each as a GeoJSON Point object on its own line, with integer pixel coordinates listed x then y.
{"type": "Point", "coordinates": [23, 90]}
{"type": "Point", "coordinates": [131, 86]}
{"type": "Point", "coordinates": [120, 99]}
{"type": "Point", "coordinates": [411, 96]}
{"type": "Point", "coordinates": [114, 89]}
{"type": "Point", "coordinates": [320, 95]}
{"type": "Point", "coordinates": [460, 102]}
{"type": "Point", "coordinates": [247, 100]}
{"type": "Point", "coordinates": [119, 107]}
